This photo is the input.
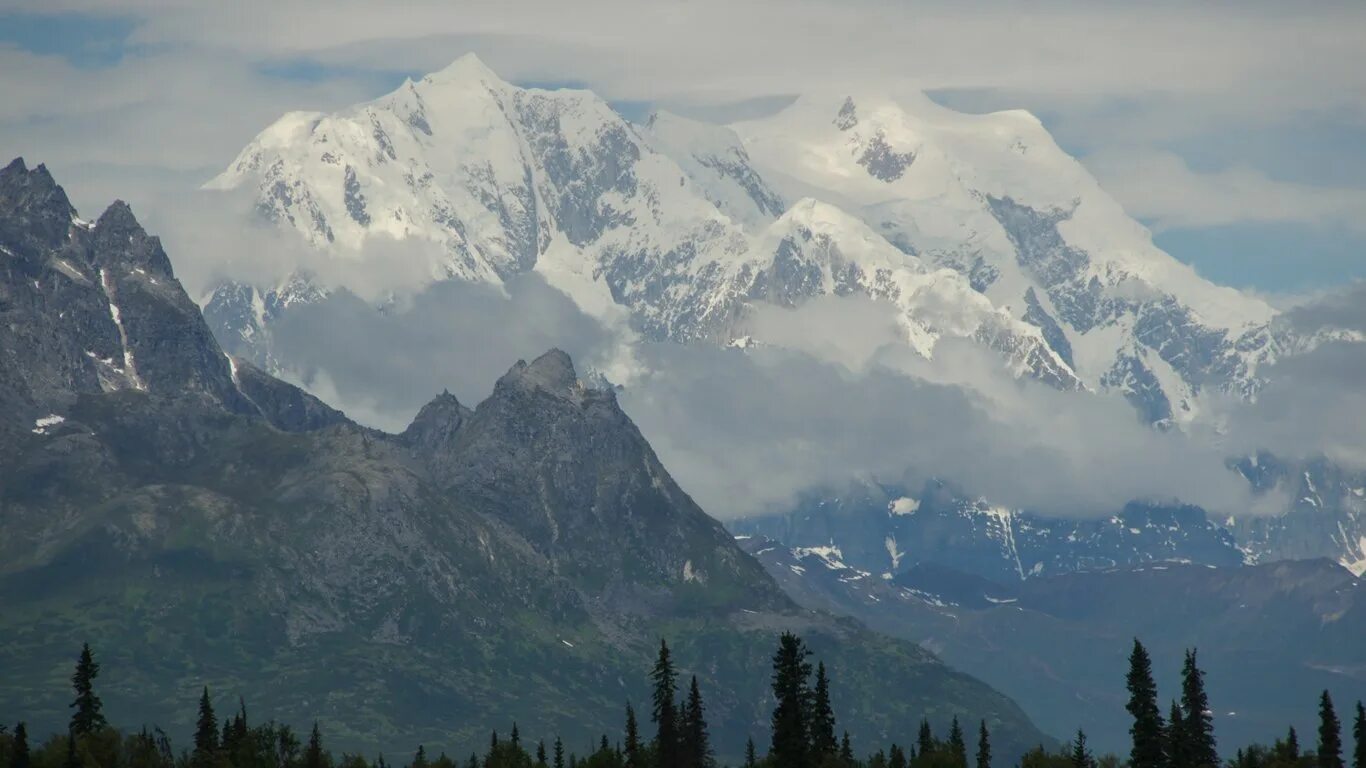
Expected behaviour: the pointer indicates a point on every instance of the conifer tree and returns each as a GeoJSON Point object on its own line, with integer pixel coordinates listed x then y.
{"type": "Point", "coordinates": [751, 760]}
{"type": "Point", "coordinates": [559, 753]}
{"type": "Point", "coordinates": [665, 714]}
{"type": "Point", "coordinates": [1148, 750]}
{"type": "Point", "coordinates": [822, 717]}
{"type": "Point", "coordinates": [896, 757]}
{"type": "Point", "coordinates": [1292, 743]}
{"type": "Point", "coordinates": [925, 738]}
{"type": "Point", "coordinates": [846, 751]}
{"type": "Point", "coordinates": [791, 691]}
{"type": "Point", "coordinates": [20, 757]}
{"type": "Point", "coordinates": [516, 735]}
{"type": "Point", "coordinates": [1330, 734]}
{"type": "Point", "coordinates": [1359, 733]}
{"type": "Point", "coordinates": [958, 748]}
{"type": "Point", "coordinates": [1197, 722]}
{"type": "Point", "coordinates": [87, 718]}
{"type": "Point", "coordinates": [983, 746]}
{"type": "Point", "coordinates": [420, 757]}
{"type": "Point", "coordinates": [1081, 755]}
{"type": "Point", "coordinates": [206, 731]}
{"type": "Point", "coordinates": [313, 754]}
{"type": "Point", "coordinates": [696, 741]}
{"type": "Point", "coordinates": [1178, 754]}
{"type": "Point", "coordinates": [540, 754]}
{"type": "Point", "coordinates": [633, 756]}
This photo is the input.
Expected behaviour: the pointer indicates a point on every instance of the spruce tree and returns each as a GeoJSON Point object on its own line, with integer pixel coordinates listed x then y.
{"type": "Point", "coordinates": [1292, 743]}
{"type": "Point", "coordinates": [983, 746]}
{"type": "Point", "coordinates": [665, 713]}
{"type": "Point", "coordinates": [633, 756]}
{"type": "Point", "coordinates": [1330, 734]}
{"type": "Point", "coordinates": [1197, 722]}
{"type": "Point", "coordinates": [205, 731]}
{"type": "Point", "coordinates": [791, 691]}
{"type": "Point", "coordinates": [822, 717]}
{"type": "Point", "coordinates": [696, 741]}
{"type": "Point", "coordinates": [1178, 747]}
{"type": "Point", "coordinates": [1081, 755]}
{"type": "Point", "coordinates": [1148, 750]}
{"type": "Point", "coordinates": [559, 753]}
{"type": "Point", "coordinates": [958, 748]}
{"type": "Point", "coordinates": [846, 751]}
{"type": "Point", "coordinates": [751, 760]}
{"type": "Point", "coordinates": [924, 739]}
{"type": "Point", "coordinates": [896, 757]}
{"type": "Point", "coordinates": [540, 754]}
{"type": "Point", "coordinates": [20, 758]}
{"type": "Point", "coordinates": [1359, 733]}
{"type": "Point", "coordinates": [313, 754]}
{"type": "Point", "coordinates": [87, 718]}
{"type": "Point", "coordinates": [420, 757]}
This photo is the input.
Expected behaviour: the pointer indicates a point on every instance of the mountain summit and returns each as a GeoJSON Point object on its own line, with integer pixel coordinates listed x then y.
{"type": "Point", "coordinates": [974, 226]}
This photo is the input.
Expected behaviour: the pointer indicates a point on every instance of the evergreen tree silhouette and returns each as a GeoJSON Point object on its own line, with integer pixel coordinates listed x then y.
{"type": "Point", "coordinates": [1148, 750]}
{"type": "Point", "coordinates": [205, 732]}
{"type": "Point", "coordinates": [1358, 733]}
{"type": "Point", "coordinates": [313, 754]}
{"type": "Point", "coordinates": [924, 742]}
{"type": "Point", "coordinates": [823, 742]}
{"type": "Point", "coordinates": [88, 716]}
{"type": "Point", "coordinates": [665, 712]}
{"type": "Point", "coordinates": [696, 741]}
{"type": "Point", "coordinates": [791, 743]}
{"type": "Point", "coordinates": [1197, 722]}
{"type": "Point", "coordinates": [20, 757]}
{"type": "Point", "coordinates": [958, 748]}
{"type": "Point", "coordinates": [633, 756]}
{"type": "Point", "coordinates": [1081, 754]}
{"type": "Point", "coordinates": [983, 746]}
{"type": "Point", "coordinates": [1330, 734]}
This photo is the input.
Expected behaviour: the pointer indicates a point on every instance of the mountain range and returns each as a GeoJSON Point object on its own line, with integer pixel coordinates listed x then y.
{"type": "Point", "coordinates": [971, 227]}
{"type": "Point", "coordinates": [1270, 637]}
{"type": "Point", "coordinates": [201, 522]}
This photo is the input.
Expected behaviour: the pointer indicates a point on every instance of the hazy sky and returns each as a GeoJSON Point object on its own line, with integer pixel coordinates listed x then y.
{"type": "Point", "coordinates": [1236, 130]}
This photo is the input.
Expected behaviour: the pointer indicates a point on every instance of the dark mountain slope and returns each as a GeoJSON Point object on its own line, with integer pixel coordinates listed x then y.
{"type": "Point", "coordinates": [200, 522]}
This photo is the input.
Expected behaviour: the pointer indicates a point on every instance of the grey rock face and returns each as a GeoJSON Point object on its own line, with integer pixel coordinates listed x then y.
{"type": "Point", "coordinates": [882, 162]}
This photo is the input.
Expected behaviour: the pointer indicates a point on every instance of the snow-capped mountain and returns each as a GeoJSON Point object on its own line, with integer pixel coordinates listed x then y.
{"type": "Point", "coordinates": [669, 221]}
{"type": "Point", "coordinates": [973, 226]}
{"type": "Point", "coordinates": [994, 198]}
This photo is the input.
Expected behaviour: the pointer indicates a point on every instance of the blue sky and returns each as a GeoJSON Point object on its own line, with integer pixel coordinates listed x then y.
{"type": "Point", "coordinates": [1255, 172]}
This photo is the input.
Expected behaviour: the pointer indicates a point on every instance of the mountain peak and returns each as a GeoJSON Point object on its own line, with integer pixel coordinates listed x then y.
{"type": "Point", "coordinates": [552, 371]}
{"type": "Point", "coordinates": [34, 200]}
{"type": "Point", "coordinates": [468, 67]}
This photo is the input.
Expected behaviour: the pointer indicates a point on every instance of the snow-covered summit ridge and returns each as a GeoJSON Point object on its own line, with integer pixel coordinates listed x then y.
{"type": "Point", "coordinates": [975, 226]}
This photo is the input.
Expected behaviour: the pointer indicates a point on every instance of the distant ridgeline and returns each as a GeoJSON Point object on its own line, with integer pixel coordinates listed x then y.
{"type": "Point", "coordinates": [803, 734]}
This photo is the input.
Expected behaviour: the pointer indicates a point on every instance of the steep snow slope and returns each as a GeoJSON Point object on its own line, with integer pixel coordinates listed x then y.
{"type": "Point", "coordinates": [993, 197]}
{"type": "Point", "coordinates": [487, 180]}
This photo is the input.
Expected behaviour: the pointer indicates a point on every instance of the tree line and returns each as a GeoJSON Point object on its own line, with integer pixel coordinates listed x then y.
{"type": "Point", "coordinates": [1185, 737]}
{"type": "Point", "coordinates": [803, 734]}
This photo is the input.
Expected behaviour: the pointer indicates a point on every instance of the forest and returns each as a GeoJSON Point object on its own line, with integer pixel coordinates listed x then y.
{"type": "Point", "coordinates": [803, 733]}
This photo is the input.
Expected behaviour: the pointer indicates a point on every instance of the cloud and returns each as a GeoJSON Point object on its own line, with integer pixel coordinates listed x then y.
{"type": "Point", "coordinates": [747, 432]}
{"type": "Point", "coordinates": [381, 366]}
{"type": "Point", "coordinates": [1159, 186]}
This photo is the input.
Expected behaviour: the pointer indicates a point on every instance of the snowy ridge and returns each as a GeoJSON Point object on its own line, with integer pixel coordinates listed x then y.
{"type": "Point", "coordinates": [670, 221]}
